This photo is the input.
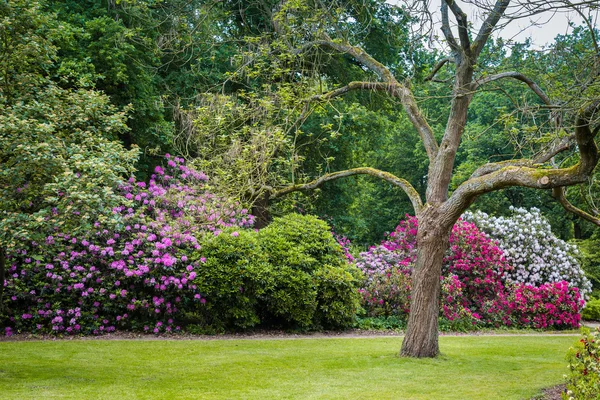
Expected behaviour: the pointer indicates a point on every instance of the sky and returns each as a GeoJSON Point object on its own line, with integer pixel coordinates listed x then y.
{"type": "Point", "coordinates": [542, 28]}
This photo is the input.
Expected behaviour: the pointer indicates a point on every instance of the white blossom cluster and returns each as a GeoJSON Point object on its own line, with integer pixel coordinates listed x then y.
{"type": "Point", "coordinates": [529, 245]}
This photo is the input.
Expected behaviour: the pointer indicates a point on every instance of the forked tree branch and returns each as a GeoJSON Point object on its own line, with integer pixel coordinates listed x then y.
{"type": "Point", "coordinates": [520, 77]}
{"type": "Point", "coordinates": [446, 30]}
{"type": "Point", "coordinates": [488, 26]}
{"type": "Point", "coordinates": [403, 184]}
{"type": "Point", "coordinates": [559, 194]}
{"type": "Point", "coordinates": [390, 84]}
{"type": "Point", "coordinates": [463, 26]}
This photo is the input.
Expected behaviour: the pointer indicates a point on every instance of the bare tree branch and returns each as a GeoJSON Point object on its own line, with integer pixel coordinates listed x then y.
{"type": "Point", "coordinates": [437, 67]}
{"type": "Point", "coordinates": [403, 184]}
{"type": "Point", "coordinates": [488, 26]}
{"type": "Point", "coordinates": [463, 26]}
{"type": "Point", "coordinates": [392, 89]}
{"type": "Point", "coordinates": [591, 29]}
{"type": "Point", "coordinates": [559, 194]}
{"type": "Point", "coordinates": [446, 30]}
{"type": "Point", "coordinates": [520, 77]}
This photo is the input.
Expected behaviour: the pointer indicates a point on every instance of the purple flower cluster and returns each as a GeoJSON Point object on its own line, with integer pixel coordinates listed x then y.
{"type": "Point", "coordinates": [130, 272]}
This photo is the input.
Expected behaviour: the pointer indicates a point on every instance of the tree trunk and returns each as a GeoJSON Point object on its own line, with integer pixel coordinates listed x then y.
{"type": "Point", "coordinates": [260, 210]}
{"type": "Point", "coordinates": [421, 338]}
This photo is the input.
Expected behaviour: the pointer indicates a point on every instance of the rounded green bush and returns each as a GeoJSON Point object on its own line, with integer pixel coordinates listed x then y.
{"type": "Point", "coordinates": [315, 286]}
{"type": "Point", "coordinates": [301, 242]}
{"type": "Point", "coordinates": [232, 278]}
{"type": "Point", "coordinates": [290, 275]}
{"type": "Point", "coordinates": [591, 311]}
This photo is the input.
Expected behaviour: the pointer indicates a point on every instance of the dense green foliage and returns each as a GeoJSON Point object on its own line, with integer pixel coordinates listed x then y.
{"type": "Point", "coordinates": [591, 311]}
{"type": "Point", "coordinates": [58, 145]}
{"type": "Point", "coordinates": [290, 275]}
{"type": "Point", "coordinates": [162, 63]}
{"type": "Point", "coordinates": [92, 92]}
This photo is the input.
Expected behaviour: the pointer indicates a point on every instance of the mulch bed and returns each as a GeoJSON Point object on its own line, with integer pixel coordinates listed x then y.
{"type": "Point", "coordinates": [552, 393]}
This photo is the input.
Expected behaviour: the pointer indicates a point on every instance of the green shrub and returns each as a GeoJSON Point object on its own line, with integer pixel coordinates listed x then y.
{"type": "Point", "coordinates": [591, 311]}
{"type": "Point", "coordinates": [292, 301]}
{"type": "Point", "coordinates": [301, 242]}
{"type": "Point", "coordinates": [583, 382]}
{"type": "Point", "coordinates": [315, 286]}
{"type": "Point", "coordinates": [391, 322]}
{"type": "Point", "coordinates": [276, 278]}
{"type": "Point", "coordinates": [233, 277]}
{"type": "Point", "coordinates": [337, 297]}
{"type": "Point", "coordinates": [589, 257]}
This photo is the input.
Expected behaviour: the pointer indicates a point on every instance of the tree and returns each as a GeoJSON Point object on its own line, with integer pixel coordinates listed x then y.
{"type": "Point", "coordinates": [572, 115]}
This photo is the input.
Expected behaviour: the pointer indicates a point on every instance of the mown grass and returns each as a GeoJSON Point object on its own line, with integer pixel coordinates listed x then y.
{"type": "Point", "coordinates": [471, 367]}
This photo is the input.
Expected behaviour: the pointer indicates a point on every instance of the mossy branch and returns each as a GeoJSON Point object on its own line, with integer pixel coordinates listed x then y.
{"type": "Point", "coordinates": [531, 175]}
{"type": "Point", "coordinates": [557, 146]}
{"type": "Point", "coordinates": [403, 184]}
{"type": "Point", "coordinates": [520, 77]}
{"type": "Point", "coordinates": [389, 84]}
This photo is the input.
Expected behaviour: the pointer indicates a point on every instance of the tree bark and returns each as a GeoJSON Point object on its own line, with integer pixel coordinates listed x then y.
{"type": "Point", "coordinates": [421, 338]}
{"type": "Point", "coordinates": [261, 213]}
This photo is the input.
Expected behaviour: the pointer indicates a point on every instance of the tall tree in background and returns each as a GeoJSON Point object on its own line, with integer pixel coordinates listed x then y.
{"type": "Point", "coordinates": [573, 112]}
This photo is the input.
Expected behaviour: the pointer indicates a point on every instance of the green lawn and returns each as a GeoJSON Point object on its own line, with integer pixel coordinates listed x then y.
{"type": "Point", "coordinates": [484, 367]}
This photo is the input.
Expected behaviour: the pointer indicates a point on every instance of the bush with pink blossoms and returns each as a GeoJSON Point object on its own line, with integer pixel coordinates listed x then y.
{"type": "Point", "coordinates": [473, 292]}
{"type": "Point", "coordinates": [130, 272]}
{"type": "Point", "coordinates": [553, 305]}
{"type": "Point", "coordinates": [472, 258]}
{"type": "Point", "coordinates": [174, 255]}
{"type": "Point", "coordinates": [386, 287]}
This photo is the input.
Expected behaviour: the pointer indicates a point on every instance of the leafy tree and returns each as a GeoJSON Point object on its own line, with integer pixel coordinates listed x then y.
{"type": "Point", "coordinates": [307, 30]}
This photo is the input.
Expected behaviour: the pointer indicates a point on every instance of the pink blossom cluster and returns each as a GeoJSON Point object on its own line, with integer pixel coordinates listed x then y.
{"type": "Point", "coordinates": [474, 283]}
{"type": "Point", "coordinates": [550, 305]}
{"type": "Point", "coordinates": [135, 273]}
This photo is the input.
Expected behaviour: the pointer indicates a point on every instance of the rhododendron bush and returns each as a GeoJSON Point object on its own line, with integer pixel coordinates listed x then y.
{"type": "Point", "coordinates": [537, 255]}
{"type": "Point", "coordinates": [130, 273]}
{"type": "Point", "coordinates": [475, 287]}
{"type": "Point", "coordinates": [174, 256]}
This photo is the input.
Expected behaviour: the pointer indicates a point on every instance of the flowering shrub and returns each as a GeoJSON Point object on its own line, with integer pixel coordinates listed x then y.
{"type": "Point", "coordinates": [386, 287]}
{"type": "Point", "coordinates": [473, 288]}
{"type": "Point", "coordinates": [474, 261]}
{"type": "Point", "coordinates": [583, 381]}
{"type": "Point", "coordinates": [455, 314]}
{"type": "Point", "coordinates": [537, 255]}
{"type": "Point", "coordinates": [551, 305]}
{"type": "Point", "coordinates": [178, 255]}
{"type": "Point", "coordinates": [133, 273]}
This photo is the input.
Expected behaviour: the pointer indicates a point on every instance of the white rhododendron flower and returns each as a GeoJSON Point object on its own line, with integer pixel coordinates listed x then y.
{"type": "Point", "coordinates": [529, 245]}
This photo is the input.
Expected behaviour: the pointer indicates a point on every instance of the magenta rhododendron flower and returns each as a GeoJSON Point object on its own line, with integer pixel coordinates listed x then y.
{"type": "Point", "coordinates": [474, 282]}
